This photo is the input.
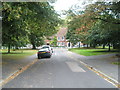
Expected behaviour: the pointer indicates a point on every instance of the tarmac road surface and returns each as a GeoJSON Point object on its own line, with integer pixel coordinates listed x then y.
{"type": "Point", "coordinates": [59, 71]}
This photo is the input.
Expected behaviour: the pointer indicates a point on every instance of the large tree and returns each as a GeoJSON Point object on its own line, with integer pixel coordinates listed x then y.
{"type": "Point", "coordinates": [27, 22]}
{"type": "Point", "coordinates": [97, 24]}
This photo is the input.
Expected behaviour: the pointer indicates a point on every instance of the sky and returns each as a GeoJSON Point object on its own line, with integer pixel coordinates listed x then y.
{"type": "Point", "coordinates": [60, 5]}
{"type": "Point", "coordinates": [65, 4]}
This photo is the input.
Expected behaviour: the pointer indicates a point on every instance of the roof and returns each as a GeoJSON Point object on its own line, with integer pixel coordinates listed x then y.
{"type": "Point", "coordinates": [62, 32]}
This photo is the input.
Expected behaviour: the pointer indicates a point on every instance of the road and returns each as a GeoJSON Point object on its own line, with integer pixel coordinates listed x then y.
{"type": "Point", "coordinates": [60, 71]}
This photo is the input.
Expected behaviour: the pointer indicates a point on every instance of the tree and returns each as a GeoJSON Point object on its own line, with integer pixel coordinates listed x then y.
{"type": "Point", "coordinates": [54, 41]}
{"type": "Point", "coordinates": [106, 28]}
{"type": "Point", "coordinates": [97, 24]}
{"type": "Point", "coordinates": [27, 22]}
{"type": "Point", "coordinates": [13, 32]}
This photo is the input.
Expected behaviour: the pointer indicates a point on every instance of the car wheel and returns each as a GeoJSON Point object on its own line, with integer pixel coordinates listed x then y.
{"type": "Point", "coordinates": [49, 57]}
{"type": "Point", "coordinates": [39, 57]}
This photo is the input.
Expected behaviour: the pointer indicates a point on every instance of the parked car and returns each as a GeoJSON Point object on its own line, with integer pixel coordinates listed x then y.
{"type": "Point", "coordinates": [44, 52]}
{"type": "Point", "coordinates": [48, 46]}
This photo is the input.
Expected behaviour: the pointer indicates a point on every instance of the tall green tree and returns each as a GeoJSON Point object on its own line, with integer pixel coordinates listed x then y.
{"type": "Point", "coordinates": [27, 22]}
{"type": "Point", "coordinates": [12, 29]}
{"type": "Point", "coordinates": [54, 41]}
{"type": "Point", "coordinates": [97, 24]}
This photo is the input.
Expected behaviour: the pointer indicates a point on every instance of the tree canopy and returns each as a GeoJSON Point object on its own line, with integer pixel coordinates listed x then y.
{"type": "Point", "coordinates": [99, 23]}
{"type": "Point", "coordinates": [27, 22]}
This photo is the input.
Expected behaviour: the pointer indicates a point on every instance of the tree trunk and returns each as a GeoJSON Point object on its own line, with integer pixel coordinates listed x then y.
{"type": "Point", "coordinates": [16, 47]}
{"type": "Point", "coordinates": [115, 46]}
{"type": "Point", "coordinates": [90, 45]}
{"type": "Point", "coordinates": [94, 45]}
{"type": "Point", "coordinates": [87, 45]}
{"type": "Point", "coordinates": [8, 48]}
{"type": "Point", "coordinates": [103, 46]}
{"type": "Point", "coordinates": [109, 47]}
{"type": "Point", "coordinates": [79, 45]}
{"type": "Point", "coordinates": [34, 47]}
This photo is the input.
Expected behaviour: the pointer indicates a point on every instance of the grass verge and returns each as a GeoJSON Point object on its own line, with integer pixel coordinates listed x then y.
{"type": "Point", "coordinates": [116, 63]}
{"type": "Point", "coordinates": [17, 54]}
{"type": "Point", "coordinates": [91, 52]}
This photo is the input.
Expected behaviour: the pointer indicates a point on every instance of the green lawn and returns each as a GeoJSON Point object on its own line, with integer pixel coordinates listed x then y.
{"type": "Point", "coordinates": [116, 63]}
{"type": "Point", "coordinates": [17, 54]}
{"type": "Point", "coordinates": [91, 52]}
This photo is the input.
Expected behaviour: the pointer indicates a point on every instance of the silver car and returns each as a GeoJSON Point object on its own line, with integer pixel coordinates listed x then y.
{"type": "Point", "coordinates": [44, 53]}
{"type": "Point", "coordinates": [48, 46]}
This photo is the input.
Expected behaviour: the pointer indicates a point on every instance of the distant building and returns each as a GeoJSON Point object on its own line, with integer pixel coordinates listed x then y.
{"type": "Point", "coordinates": [47, 41]}
{"type": "Point", "coordinates": [50, 39]}
{"type": "Point", "coordinates": [61, 37]}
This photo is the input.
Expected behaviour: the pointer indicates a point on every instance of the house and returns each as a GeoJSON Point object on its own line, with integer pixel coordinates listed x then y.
{"type": "Point", "coordinates": [61, 37]}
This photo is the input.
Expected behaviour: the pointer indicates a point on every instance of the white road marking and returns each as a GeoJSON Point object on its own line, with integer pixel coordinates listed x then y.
{"type": "Point", "coordinates": [75, 67]}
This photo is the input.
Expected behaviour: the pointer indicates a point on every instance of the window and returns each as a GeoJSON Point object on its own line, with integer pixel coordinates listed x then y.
{"type": "Point", "coordinates": [63, 38]}
{"type": "Point", "coordinates": [63, 43]}
{"type": "Point", "coordinates": [58, 38]}
{"type": "Point", "coordinates": [58, 43]}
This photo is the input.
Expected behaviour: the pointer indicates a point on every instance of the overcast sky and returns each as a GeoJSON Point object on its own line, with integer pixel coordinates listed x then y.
{"type": "Point", "coordinates": [60, 5]}
{"type": "Point", "coordinates": [65, 4]}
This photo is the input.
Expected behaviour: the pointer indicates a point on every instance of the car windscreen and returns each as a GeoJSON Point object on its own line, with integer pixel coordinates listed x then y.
{"type": "Point", "coordinates": [44, 47]}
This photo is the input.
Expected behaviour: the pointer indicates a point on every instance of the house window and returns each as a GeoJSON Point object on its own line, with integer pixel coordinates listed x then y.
{"type": "Point", "coordinates": [63, 43]}
{"type": "Point", "coordinates": [58, 43]}
{"type": "Point", "coordinates": [58, 38]}
{"type": "Point", "coordinates": [63, 38]}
